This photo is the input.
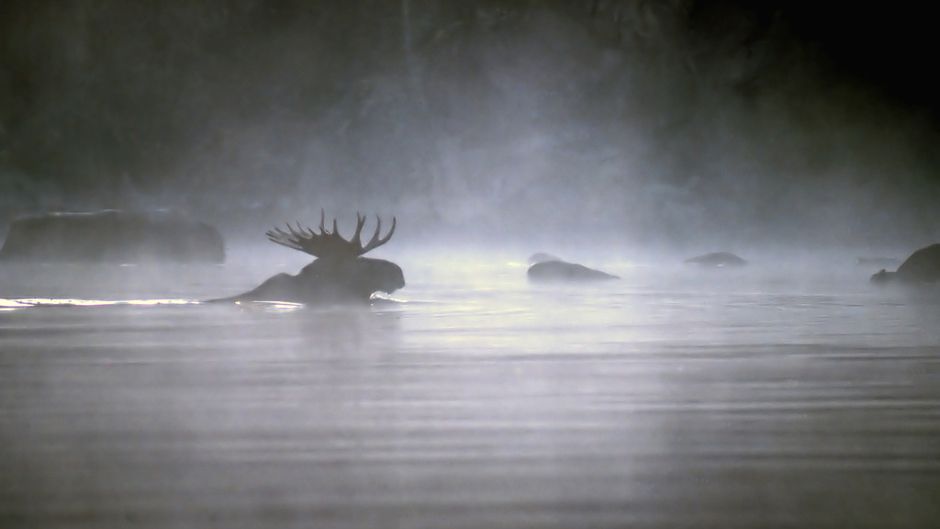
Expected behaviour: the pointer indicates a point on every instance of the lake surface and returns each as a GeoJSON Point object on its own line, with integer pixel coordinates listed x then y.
{"type": "Point", "coordinates": [670, 398]}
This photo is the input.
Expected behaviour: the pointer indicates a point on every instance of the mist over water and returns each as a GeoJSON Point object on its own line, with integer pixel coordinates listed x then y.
{"type": "Point", "coordinates": [673, 397]}
{"type": "Point", "coordinates": [653, 123]}
{"type": "Point", "coordinates": [624, 136]}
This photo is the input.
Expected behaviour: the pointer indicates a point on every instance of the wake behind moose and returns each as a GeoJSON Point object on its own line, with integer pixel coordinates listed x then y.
{"type": "Point", "coordinates": [339, 274]}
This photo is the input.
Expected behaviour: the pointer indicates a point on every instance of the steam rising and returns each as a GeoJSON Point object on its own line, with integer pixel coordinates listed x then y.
{"type": "Point", "coordinates": [620, 137]}
{"type": "Point", "coordinates": [668, 123]}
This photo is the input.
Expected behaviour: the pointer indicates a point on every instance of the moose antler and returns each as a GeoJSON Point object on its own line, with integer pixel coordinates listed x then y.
{"type": "Point", "coordinates": [329, 243]}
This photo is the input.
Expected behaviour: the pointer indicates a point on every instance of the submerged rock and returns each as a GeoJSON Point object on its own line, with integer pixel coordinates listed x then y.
{"type": "Point", "coordinates": [923, 266]}
{"type": "Point", "coordinates": [541, 257]}
{"type": "Point", "coordinates": [113, 236]}
{"type": "Point", "coordinates": [717, 260]}
{"type": "Point", "coordinates": [563, 271]}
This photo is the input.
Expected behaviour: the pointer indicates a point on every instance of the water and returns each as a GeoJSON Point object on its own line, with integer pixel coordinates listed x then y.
{"type": "Point", "coordinates": [672, 398]}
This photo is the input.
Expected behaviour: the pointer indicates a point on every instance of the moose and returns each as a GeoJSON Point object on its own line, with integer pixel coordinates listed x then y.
{"type": "Point", "coordinates": [339, 274]}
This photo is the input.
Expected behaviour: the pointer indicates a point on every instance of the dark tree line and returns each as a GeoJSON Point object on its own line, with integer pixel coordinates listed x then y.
{"type": "Point", "coordinates": [663, 114]}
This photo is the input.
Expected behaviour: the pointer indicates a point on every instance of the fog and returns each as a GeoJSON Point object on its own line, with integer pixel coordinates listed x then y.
{"type": "Point", "coordinates": [685, 126]}
{"type": "Point", "coordinates": [164, 388]}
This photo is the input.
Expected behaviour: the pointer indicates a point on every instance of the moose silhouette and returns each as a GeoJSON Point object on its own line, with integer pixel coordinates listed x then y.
{"type": "Point", "coordinates": [339, 274]}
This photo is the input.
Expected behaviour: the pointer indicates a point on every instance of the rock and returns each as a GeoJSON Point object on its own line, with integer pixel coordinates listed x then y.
{"type": "Point", "coordinates": [923, 266]}
{"type": "Point", "coordinates": [717, 260]}
{"type": "Point", "coordinates": [542, 257]}
{"type": "Point", "coordinates": [113, 236]}
{"type": "Point", "coordinates": [564, 271]}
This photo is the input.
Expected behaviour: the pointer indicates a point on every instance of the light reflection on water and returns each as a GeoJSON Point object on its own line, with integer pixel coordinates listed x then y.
{"type": "Point", "coordinates": [475, 400]}
{"type": "Point", "coordinates": [74, 302]}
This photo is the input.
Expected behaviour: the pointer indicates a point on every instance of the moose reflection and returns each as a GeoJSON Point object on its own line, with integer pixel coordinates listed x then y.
{"type": "Point", "coordinates": [339, 274]}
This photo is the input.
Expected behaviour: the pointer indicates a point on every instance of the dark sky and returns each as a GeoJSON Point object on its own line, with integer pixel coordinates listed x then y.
{"type": "Point", "coordinates": [674, 120]}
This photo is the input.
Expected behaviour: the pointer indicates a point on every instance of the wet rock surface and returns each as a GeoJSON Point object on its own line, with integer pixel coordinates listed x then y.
{"type": "Point", "coordinates": [113, 236]}
{"type": "Point", "coordinates": [923, 266]}
{"type": "Point", "coordinates": [717, 260]}
{"type": "Point", "coordinates": [565, 271]}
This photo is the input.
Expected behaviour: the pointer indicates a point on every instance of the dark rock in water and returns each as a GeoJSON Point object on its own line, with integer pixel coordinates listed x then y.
{"type": "Point", "coordinates": [542, 257]}
{"type": "Point", "coordinates": [547, 267]}
{"type": "Point", "coordinates": [113, 236]}
{"type": "Point", "coordinates": [923, 266]}
{"type": "Point", "coordinates": [339, 275]}
{"type": "Point", "coordinates": [563, 271]}
{"type": "Point", "coordinates": [717, 260]}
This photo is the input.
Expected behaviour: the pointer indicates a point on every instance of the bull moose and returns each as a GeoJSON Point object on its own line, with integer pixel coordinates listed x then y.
{"type": "Point", "coordinates": [339, 274]}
